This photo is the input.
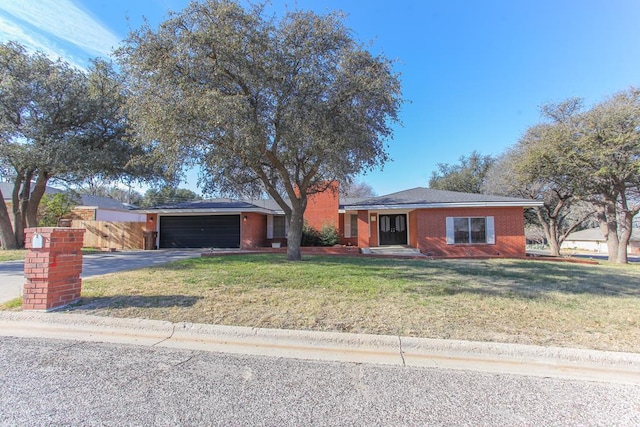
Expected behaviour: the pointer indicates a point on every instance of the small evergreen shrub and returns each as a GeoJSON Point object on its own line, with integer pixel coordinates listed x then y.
{"type": "Point", "coordinates": [329, 235]}
{"type": "Point", "coordinates": [310, 236]}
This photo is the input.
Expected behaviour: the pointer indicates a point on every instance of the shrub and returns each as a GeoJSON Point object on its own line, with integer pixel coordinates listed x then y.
{"type": "Point", "coordinates": [53, 207]}
{"type": "Point", "coordinates": [310, 236]}
{"type": "Point", "coordinates": [329, 235]}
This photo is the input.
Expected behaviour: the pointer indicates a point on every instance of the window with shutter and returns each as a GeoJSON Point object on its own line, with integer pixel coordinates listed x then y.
{"type": "Point", "coordinates": [461, 230]}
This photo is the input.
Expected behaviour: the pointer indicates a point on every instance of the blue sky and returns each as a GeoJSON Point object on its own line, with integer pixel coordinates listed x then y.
{"type": "Point", "coordinates": [474, 72]}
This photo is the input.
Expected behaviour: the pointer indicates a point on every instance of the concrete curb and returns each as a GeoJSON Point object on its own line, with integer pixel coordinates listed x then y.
{"type": "Point", "coordinates": [567, 363]}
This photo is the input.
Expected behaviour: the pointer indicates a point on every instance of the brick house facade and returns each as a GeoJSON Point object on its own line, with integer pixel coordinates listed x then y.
{"type": "Point", "coordinates": [438, 223]}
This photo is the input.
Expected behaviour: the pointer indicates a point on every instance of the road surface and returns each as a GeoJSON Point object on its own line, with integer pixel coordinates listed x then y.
{"type": "Point", "coordinates": [59, 382]}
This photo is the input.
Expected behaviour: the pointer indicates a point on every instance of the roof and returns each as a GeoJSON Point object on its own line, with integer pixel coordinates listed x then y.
{"type": "Point", "coordinates": [220, 204]}
{"type": "Point", "coordinates": [86, 200]}
{"type": "Point", "coordinates": [104, 203]}
{"type": "Point", "coordinates": [409, 199]}
{"type": "Point", "coordinates": [595, 235]}
{"type": "Point", "coordinates": [7, 190]}
{"type": "Point", "coordinates": [421, 197]}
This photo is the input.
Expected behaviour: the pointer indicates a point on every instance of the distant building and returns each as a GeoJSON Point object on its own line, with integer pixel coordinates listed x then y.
{"type": "Point", "coordinates": [593, 240]}
{"type": "Point", "coordinates": [91, 208]}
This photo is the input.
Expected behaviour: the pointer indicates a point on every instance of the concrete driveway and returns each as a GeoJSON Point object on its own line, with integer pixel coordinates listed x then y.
{"type": "Point", "coordinates": [94, 264]}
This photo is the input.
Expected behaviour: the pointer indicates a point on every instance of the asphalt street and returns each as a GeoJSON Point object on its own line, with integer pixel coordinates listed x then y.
{"type": "Point", "coordinates": [58, 382]}
{"type": "Point", "coordinates": [94, 264]}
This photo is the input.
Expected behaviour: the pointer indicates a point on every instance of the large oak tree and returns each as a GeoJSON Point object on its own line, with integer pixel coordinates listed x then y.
{"type": "Point", "coordinates": [579, 163]}
{"type": "Point", "coordinates": [608, 155]}
{"type": "Point", "coordinates": [282, 106]}
{"type": "Point", "coordinates": [57, 122]}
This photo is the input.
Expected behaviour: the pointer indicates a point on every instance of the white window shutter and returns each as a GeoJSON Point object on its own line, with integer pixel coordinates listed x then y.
{"type": "Point", "coordinates": [491, 231]}
{"type": "Point", "coordinates": [347, 225]}
{"type": "Point", "coordinates": [450, 233]}
{"type": "Point", "coordinates": [269, 226]}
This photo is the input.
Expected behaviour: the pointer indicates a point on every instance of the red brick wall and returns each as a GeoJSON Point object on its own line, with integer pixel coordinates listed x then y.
{"type": "Point", "coordinates": [429, 226]}
{"type": "Point", "coordinates": [413, 228]}
{"type": "Point", "coordinates": [363, 229]}
{"type": "Point", "coordinates": [152, 222]}
{"type": "Point", "coordinates": [52, 272]}
{"type": "Point", "coordinates": [322, 208]}
{"type": "Point", "coordinates": [253, 230]}
{"type": "Point", "coordinates": [349, 241]}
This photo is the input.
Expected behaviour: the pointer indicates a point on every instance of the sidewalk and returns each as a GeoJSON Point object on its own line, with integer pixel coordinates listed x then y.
{"type": "Point", "coordinates": [566, 363]}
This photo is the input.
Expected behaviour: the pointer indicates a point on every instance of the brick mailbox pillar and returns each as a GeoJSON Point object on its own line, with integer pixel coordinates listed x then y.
{"type": "Point", "coordinates": [52, 267]}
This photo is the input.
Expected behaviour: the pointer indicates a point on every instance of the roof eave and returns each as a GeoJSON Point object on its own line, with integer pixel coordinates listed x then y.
{"type": "Point", "coordinates": [526, 204]}
{"type": "Point", "coordinates": [230, 211]}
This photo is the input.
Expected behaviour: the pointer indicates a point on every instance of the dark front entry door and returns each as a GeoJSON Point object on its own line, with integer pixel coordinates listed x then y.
{"type": "Point", "coordinates": [393, 229]}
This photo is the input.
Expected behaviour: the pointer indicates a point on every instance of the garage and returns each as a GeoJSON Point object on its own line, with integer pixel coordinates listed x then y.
{"type": "Point", "coordinates": [200, 231]}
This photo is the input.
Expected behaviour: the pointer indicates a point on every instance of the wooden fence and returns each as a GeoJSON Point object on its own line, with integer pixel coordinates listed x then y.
{"type": "Point", "coordinates": [112, 235]}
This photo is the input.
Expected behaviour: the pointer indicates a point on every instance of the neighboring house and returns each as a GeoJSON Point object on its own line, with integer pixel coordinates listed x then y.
{"type": "Point", "coordinates": [438, 223]}
{"type": "Point", "coordinates": [108, 223]}
{"type": "Point", "coordinates": [90, 208]}
{"type": "Point", "coordinates": [97, 208]}
{"type": "Point", "coordinates": [593, 240]}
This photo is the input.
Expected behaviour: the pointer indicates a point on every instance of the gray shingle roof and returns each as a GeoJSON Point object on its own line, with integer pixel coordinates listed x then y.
{"type": "Point", "coordinates": [85, 199]}
{"type": "Point", "coordinates": [415, 197]}
{"type": "Point", "coordinates": [7, 190]}
{"type": "Point", "coordinates": [104, 203]}
{"type": "Point", "coordinates": [421, 196]}
{"type": "Point", "coordinates": [221, 203]}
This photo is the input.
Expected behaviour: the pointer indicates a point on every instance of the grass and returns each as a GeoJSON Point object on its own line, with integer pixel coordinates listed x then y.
{"type": "Point", "coordinates": [12, 255]}
{"type": "Point", "coordinates": [20, 254]}
{"type": "Point", "coordinates": [517, 301]}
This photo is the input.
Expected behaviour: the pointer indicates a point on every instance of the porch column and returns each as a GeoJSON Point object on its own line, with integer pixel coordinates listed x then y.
{"type": "Point", "coordinates": [363, 229]}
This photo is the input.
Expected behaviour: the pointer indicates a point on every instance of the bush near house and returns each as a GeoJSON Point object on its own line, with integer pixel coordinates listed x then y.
{"type": "Point", "coordinates": [327, 236]}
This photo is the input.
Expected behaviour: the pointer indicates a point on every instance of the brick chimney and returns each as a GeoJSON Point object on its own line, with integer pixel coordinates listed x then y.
{"type": "Point", "coordinates": [322, 208]}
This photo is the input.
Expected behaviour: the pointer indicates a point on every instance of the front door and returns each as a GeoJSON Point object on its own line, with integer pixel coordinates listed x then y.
{"type": "Point", "coordinates": [393, 229]}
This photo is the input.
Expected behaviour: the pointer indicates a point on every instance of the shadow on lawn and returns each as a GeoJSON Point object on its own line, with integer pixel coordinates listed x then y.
{"type": "Point", "coordinates": [501, 277]}
{"type": "Point", "coordinates": [130, 301]}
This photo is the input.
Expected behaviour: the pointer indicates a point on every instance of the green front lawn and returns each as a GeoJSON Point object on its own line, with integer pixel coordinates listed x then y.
{"type": "Point", "coordinates": [520, 301]}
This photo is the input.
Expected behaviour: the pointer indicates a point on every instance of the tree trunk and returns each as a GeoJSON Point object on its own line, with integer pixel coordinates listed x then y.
{"type": "Point", "coordinates": [19, 192]}
{"type": "Point", "coordinates": [39, 188]}
{"type": "Point", "coordinates": [554, 243]}
{"type": "Point", "coordinates": [550, 231]}
{"type": "Point", "coordinates": [609, 227]}
{"type": "Point", "coordinates": [7, 236]}
{"type": "Point", "coordinates": [294, 236]}
{"type": "Point", "coordinates": [625, 235]}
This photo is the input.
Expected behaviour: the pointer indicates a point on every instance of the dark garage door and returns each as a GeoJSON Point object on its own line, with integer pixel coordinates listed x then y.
{"type": "Point", "coordinates": [211, 231]}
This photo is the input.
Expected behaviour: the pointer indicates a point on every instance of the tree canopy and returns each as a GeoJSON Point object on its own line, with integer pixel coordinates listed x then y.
{"type": "Point", "coordinates": [579, 162]}
{"type": "Point", "coordinates": [283, 106]}
{"type": "Point", "coordinates": [167, 195]}
{"type": "Point", "coordinates": [357, 190]}
{"type": "Point", "coordinates": [467, 176]}
{"type": "Point", "coordinates": [58, 122]}
{"type": "Point", "coordinates": [607, 157]}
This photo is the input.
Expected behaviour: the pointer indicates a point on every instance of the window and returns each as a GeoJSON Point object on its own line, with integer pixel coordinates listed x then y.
{"type": "Point", "coordinates": [470, 230]}
{"type": "Point", "coordinates": [279, 229]}
{"type": "Point", "coordinates": [350, 225]}
{"type": "Point", "coordinates": [354, 225]}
